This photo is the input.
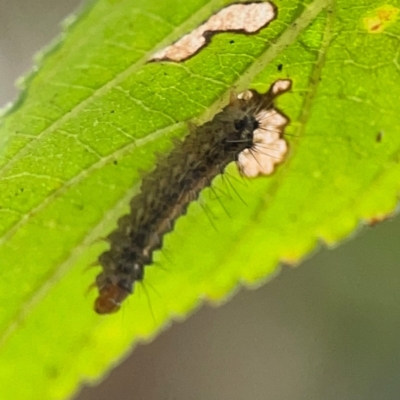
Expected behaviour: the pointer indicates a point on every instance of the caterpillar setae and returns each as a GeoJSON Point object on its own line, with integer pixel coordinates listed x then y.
{"type": "Point", "coordinates": [246, 131]}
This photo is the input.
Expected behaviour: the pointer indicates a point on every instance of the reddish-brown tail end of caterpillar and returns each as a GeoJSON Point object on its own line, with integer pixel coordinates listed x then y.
{"type": "Point", "coordinates": [110, 298]}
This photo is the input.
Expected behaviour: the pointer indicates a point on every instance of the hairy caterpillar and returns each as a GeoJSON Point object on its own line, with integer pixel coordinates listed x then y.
{"type": "Point", "coordinates": [246, 131]}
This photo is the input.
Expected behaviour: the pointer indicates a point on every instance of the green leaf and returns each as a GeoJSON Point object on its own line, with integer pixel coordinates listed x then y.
{"type": "Point", "coordinates": [94, 114]}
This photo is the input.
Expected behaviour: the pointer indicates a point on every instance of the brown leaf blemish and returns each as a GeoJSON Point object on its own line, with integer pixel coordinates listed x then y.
{"type": "Point", "coordinates": [372, 222]}
{"type": "Point", "coordinates": [247, 18]}
{"type": "Point", "coordinates": [381, 18]}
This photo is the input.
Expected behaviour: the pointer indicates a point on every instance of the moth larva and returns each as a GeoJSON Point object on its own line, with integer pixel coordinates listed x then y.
{"type": "Point", "coordinates": [246, 131]}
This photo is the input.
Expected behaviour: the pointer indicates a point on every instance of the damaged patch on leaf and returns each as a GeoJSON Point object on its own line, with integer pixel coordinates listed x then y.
{"type": "Point", "coordinates": [381, 18]}
{"type": "Point", "coordinates": [245, 18]}
{"type": "Point", "coordinates": [269, 146]}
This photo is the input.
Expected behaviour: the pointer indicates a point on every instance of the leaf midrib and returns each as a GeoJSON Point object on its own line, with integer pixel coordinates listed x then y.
{"type": "Point", "coordinates": [284, 40]}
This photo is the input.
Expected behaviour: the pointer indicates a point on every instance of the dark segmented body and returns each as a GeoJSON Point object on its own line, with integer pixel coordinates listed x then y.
{"type": "Point", "coordinates": [167, 191]}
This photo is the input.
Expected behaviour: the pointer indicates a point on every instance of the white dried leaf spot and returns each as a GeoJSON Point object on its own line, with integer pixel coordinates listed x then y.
{"type": "Point", "coordinates": [246, 18]}
{"type": "Point", "coordinates": [281, 86]}
{"type": "Point", "coordinates": [269, 147]}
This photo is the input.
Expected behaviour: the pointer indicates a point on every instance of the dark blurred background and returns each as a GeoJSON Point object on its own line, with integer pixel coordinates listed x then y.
{"type": "Point", "coordinates": [327, 330]}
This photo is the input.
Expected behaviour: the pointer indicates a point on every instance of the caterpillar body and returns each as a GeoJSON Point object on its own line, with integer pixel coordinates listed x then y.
{"type": "Point", "coordinates": [247, 131]}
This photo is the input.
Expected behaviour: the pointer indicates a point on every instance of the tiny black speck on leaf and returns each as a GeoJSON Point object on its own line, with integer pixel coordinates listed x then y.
{"type": "Point", "coordinates": [52, 372]}
{"type": "Point", "coordinates": [280, 67]}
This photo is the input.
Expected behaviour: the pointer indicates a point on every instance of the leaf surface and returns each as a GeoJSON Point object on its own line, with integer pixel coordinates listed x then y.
{"type": "Point", "coordinates": [95, 113]}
